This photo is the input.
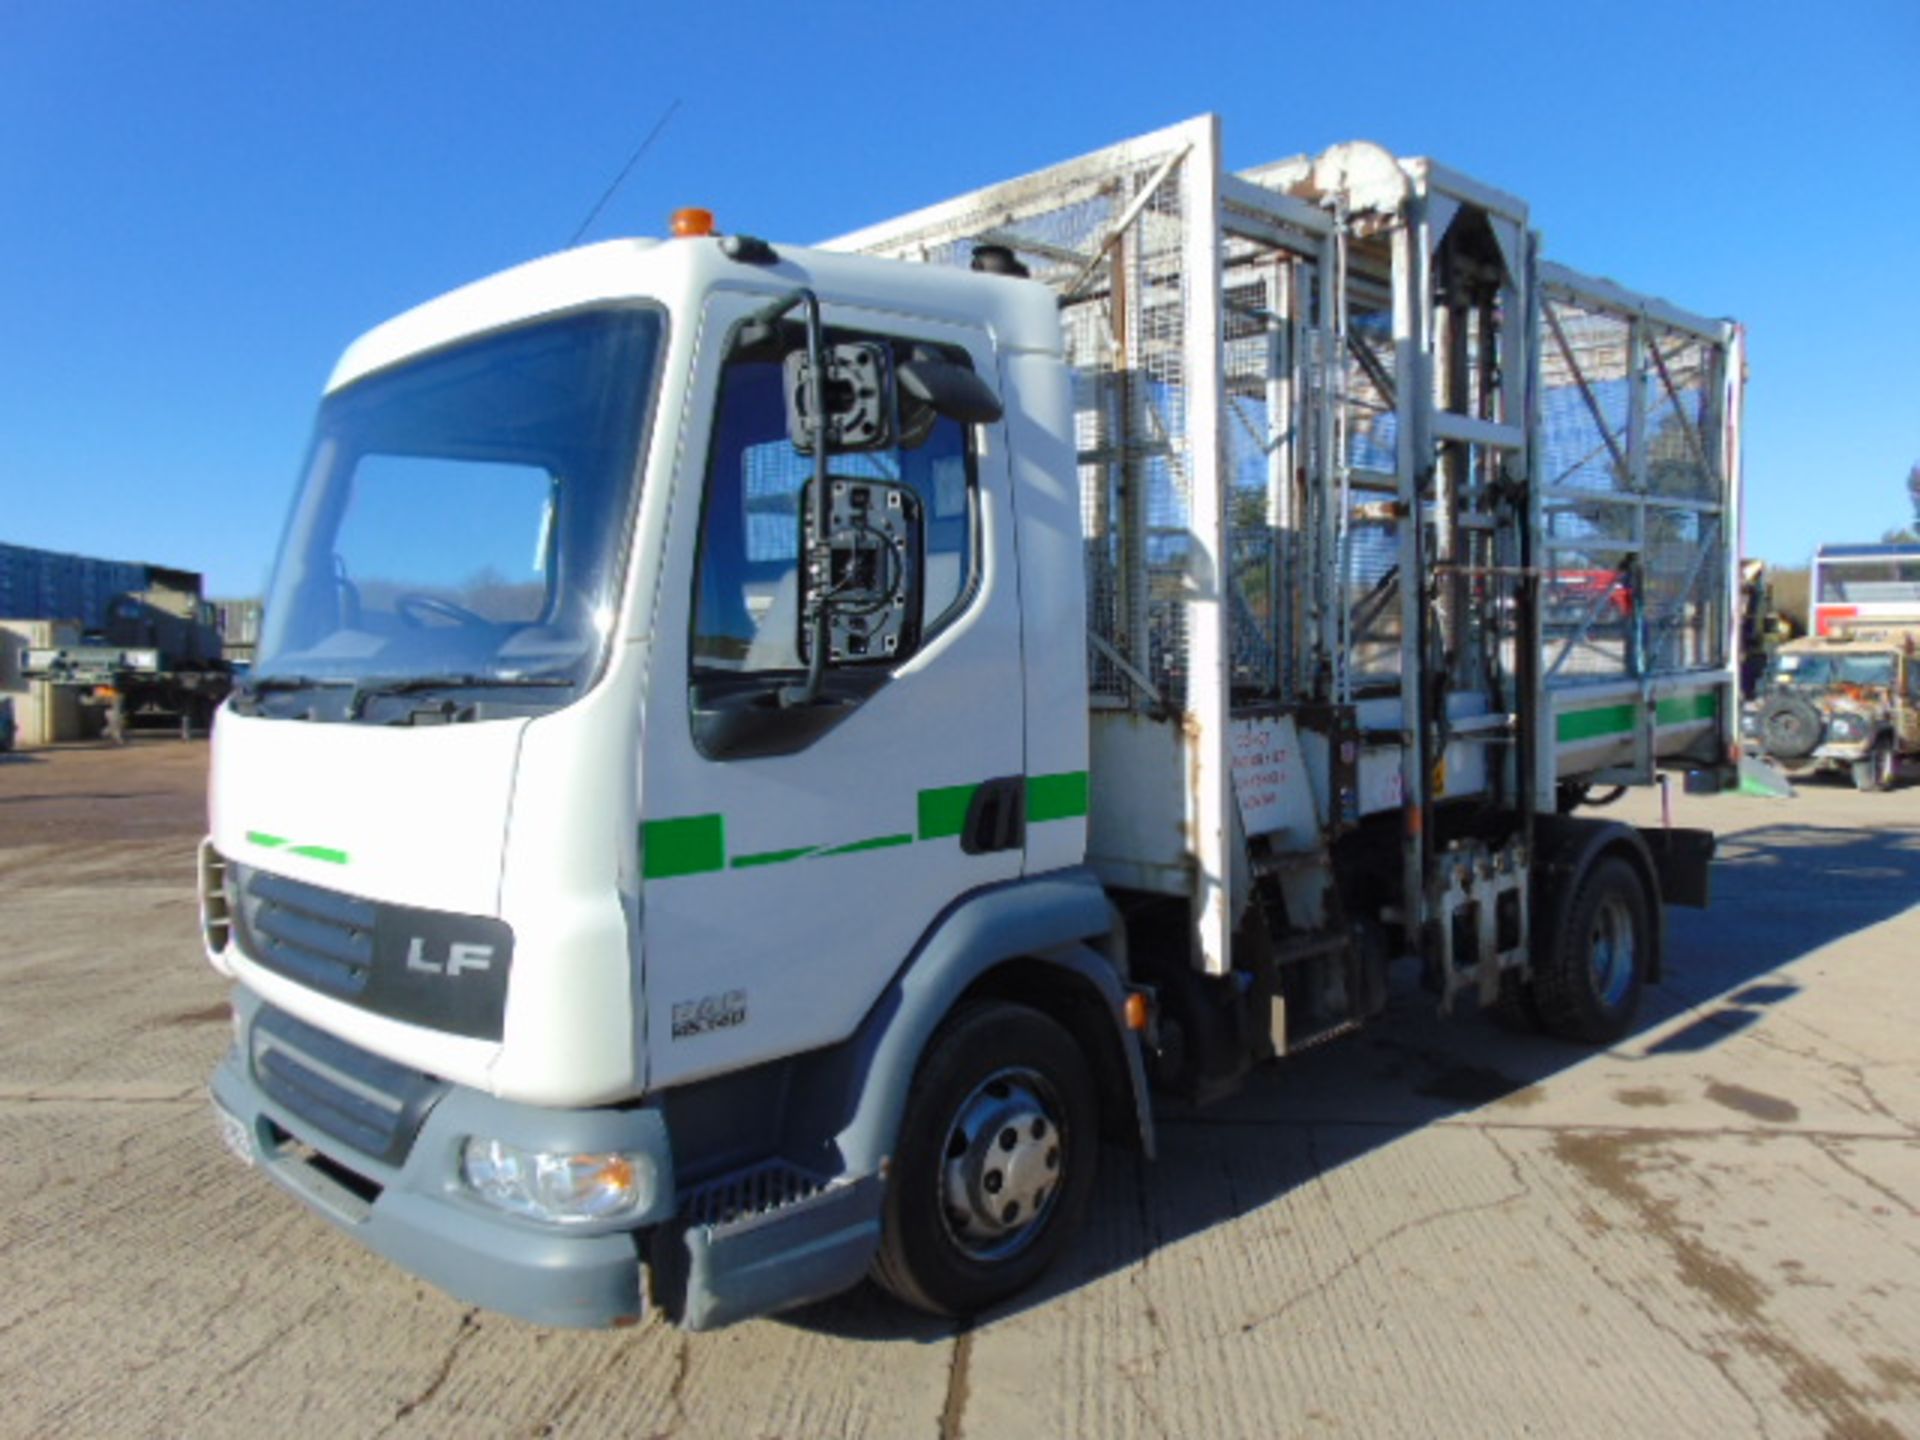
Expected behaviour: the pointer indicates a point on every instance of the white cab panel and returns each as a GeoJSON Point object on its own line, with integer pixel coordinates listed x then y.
{"type": "Point", "coordinates": [413, 815]}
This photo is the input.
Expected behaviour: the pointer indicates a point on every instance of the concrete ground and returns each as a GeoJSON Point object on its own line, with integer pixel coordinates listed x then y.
{"type": "Point", "coordinates": [1430, 1229]}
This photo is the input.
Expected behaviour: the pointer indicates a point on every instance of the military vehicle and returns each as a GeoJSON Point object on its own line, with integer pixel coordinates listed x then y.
{"type": "Point", "coordinates": [1846, 700]}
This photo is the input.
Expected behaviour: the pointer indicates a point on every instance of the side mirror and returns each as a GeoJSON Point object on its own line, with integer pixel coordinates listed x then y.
{"type": "Point", "coordinates": [951, 390]}
{"type": "Point", "coordinates": [867, 577]}
{"type": "Point", "coordinates": [855, 393]}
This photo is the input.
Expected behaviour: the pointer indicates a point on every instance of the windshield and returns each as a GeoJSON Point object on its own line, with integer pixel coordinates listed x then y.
{"type": "Point", "coordinates": [1812, 671]}
{"type": "Point", "coordinates": [462, 520]}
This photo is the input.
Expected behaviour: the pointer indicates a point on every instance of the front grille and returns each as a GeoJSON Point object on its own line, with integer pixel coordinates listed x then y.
{"type": "Point", "coordinates": [319, 937]}
{"type": "Point", "coordinates": [427, 967]}
{"type": "Point", "coordinates": [368, 1104]}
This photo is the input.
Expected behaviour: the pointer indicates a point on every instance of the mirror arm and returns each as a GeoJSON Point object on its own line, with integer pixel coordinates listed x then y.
{"type": "Point", "coordinates": [805, 693]}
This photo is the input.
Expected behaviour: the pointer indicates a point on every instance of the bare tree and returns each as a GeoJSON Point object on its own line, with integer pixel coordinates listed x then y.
{"type": "Point", "coordinates": [1909, 533]}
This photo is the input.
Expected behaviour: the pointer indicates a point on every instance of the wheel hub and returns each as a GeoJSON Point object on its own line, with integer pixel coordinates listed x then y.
{"type": "Point", "coordinates": [1005, 1158]}
{"type": "Point", "coordinates": [1610, 950]}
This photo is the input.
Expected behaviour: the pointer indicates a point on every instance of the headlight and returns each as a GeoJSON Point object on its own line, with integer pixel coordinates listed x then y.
{"type": "Point", "coordinates": [1848, 727]}
{"type": "Point", "coordinates": [559, 1187]}
{"type": "Point", "coordinates": [1749, 723]}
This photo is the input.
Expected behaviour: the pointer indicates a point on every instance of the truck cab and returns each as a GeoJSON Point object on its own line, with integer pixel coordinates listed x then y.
{"type": "Point", "coordinates": [613, 747]}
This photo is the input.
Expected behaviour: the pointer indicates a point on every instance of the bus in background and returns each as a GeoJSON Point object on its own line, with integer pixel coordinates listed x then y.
{"type": "Point", "coordinates": [1865, 585]}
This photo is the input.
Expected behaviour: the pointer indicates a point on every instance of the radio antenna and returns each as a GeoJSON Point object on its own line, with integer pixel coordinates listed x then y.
{"type": "Point", "coordinates": [625, 170]}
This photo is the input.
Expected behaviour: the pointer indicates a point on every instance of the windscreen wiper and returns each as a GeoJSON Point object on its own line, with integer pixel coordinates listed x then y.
{"type": "Point", "coordinates": [268, 683]}
{"type": "Point", "coordinates": [251, 690]}
{"type": "Point", "coordinates": [374, 689]}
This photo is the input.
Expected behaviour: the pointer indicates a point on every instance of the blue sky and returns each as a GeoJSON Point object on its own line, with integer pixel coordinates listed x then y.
{"type": "Point", "coordinates": [204, 202]}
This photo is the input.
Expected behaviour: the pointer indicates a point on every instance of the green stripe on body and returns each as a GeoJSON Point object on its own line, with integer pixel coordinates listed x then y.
{"type": "Point", "coordinates": [697, 844]}
{"type": "Point", "coordinates": [1056, 797]}
{"type": "Point", "coordinates": [320, 852]}
{"type": "Point", "coordinates": [878, 842]}
{"type": "Point", "coordinates": [1602, 720]}
{"type": "Point", "coordinates": [1679, 709]}
{"type": "Point", "coordinates": [692, 845]}
{"type": "Point", "coordinates": [943, 812]}
{"type": "Point", "coordinates": [324, 853]}
{"type": "Point", "coordinates": [1578, 725]}
{"type": "Point", "coordinates": [771, 857]}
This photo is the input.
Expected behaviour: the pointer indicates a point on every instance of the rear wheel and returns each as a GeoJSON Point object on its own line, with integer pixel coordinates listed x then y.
{"type": "Point", "coordinates": [995, 1162]}
{"type": "Point", "coordinates": [1876, 772]}
{"type": "Point", "coordinates": [1587, 985]}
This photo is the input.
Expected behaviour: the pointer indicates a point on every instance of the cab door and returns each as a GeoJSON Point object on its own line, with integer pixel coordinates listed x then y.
{"type": "Point", "coordinates": [791, 861]}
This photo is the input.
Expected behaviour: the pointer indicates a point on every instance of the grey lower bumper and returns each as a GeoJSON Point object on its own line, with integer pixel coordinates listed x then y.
{"type": "Point", "coordinates": [414, 1209]}
{"type": "Point", "coordinates": [418, 1215]}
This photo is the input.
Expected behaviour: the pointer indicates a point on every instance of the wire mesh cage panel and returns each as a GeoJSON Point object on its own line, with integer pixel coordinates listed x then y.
{"type": "Point", "coordinates": [1113, 235]}
{"type": "Point", "coordinates": [1633, 472]}
{"type": "Point", "coordinates": [1108, 239]}
{"type": "Point", "coordinates": [1328, 461]}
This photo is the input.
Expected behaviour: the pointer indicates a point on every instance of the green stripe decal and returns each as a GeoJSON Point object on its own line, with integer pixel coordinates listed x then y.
{"type": "Point", "coordinates": [1604, 720]}
{"type": "Point", "coordinates": [310, 852]}
{"type": "Point", "coordinates": [770, 857]}
{"type": "Point", "coordinates": [320, 852]}
{"type": "Point", "coordinates": [944, 812]}
{"type": "Point", "coordinates": [1056, 797]}
{"type": "Point", "coordinates": [690, 846]}
{"type": "Point", "coordinates": [1591, 724]}
{"type": "Point", "coordinates": [1680, 709]}
{"type": "Point", "coordinates": [878, 842]}
{"type": "Point", "coordinates": [697, 844]}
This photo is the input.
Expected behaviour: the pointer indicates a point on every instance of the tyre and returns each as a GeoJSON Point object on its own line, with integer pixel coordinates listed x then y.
{"type": "Point", "coordinates": [997, 1151]}
{"type": "Point", "coordinates": [1876, 772]}
{"type": "Point", "coordinates": [1587, 984]}
{"type": "Point", "coordinates": [1791, 726]}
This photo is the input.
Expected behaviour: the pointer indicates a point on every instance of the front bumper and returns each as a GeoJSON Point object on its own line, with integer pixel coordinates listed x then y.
{"type": "Point", "coordinates": [1825, 757]}
{"type": "Point", "coordinates": [376, 1150]}
{"type": "Point", "coordinates": [402, 1196]}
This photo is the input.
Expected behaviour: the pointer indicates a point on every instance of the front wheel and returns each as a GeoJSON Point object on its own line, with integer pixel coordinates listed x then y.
{"type": "Point", "coordinates": [1876, 771]}
{"type": "Point", "coordinates": [1587, 985]}
{"type": "Point", "coordinates": [995, 1161]}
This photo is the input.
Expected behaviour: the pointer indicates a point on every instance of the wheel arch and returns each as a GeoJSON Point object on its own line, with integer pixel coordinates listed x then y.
{"type": "Point", "coordinates": [1033, 942]}
{"type": "Point", "coordinates": [1065, 991]}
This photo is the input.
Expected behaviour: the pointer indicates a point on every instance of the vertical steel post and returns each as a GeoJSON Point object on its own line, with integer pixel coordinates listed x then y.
{"type": "Point", "coordinates": [1282, 441]}
{"type": "Point", "coordinates": [1413, 462]}
{"type": "Point", "coordinates": [1638, 371]}
{"type": "Point", "coordinates": [1208, 687]}
{"type": "Point", "coordinates": [1329, 477]}
{"type": "Point", "coordinates": [1539, 747]}
{"type": "Point", "coordinates": [1135, 617]}
{"type": "Point", "coordinates": [1732, 390]}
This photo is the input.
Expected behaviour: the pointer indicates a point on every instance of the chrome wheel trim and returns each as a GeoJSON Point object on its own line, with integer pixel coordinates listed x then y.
{"type": "Point", "coordinates": [1003, 1164]}
{"type": "Point", "coordinates": [1610, 950]}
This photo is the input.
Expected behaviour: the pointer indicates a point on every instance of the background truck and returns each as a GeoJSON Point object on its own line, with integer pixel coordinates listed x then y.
{"type": "Point", "coordinates": [148, 646]}
{"type": "Point", "coordinates": [882, 703]}
{"type": "Point", "coordinates": [1853, 586]}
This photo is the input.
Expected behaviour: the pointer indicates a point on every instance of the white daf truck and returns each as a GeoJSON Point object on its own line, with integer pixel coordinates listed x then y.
{"type": "Point", "coordinates": [759, 756]}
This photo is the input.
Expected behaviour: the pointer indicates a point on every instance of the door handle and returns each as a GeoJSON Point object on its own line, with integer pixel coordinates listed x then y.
{"type": "Point", "coordinates": [996, 817]}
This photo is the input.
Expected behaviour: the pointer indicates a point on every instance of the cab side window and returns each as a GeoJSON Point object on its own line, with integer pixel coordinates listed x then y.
{"type": "Point", "coordinates": [747, 604]}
